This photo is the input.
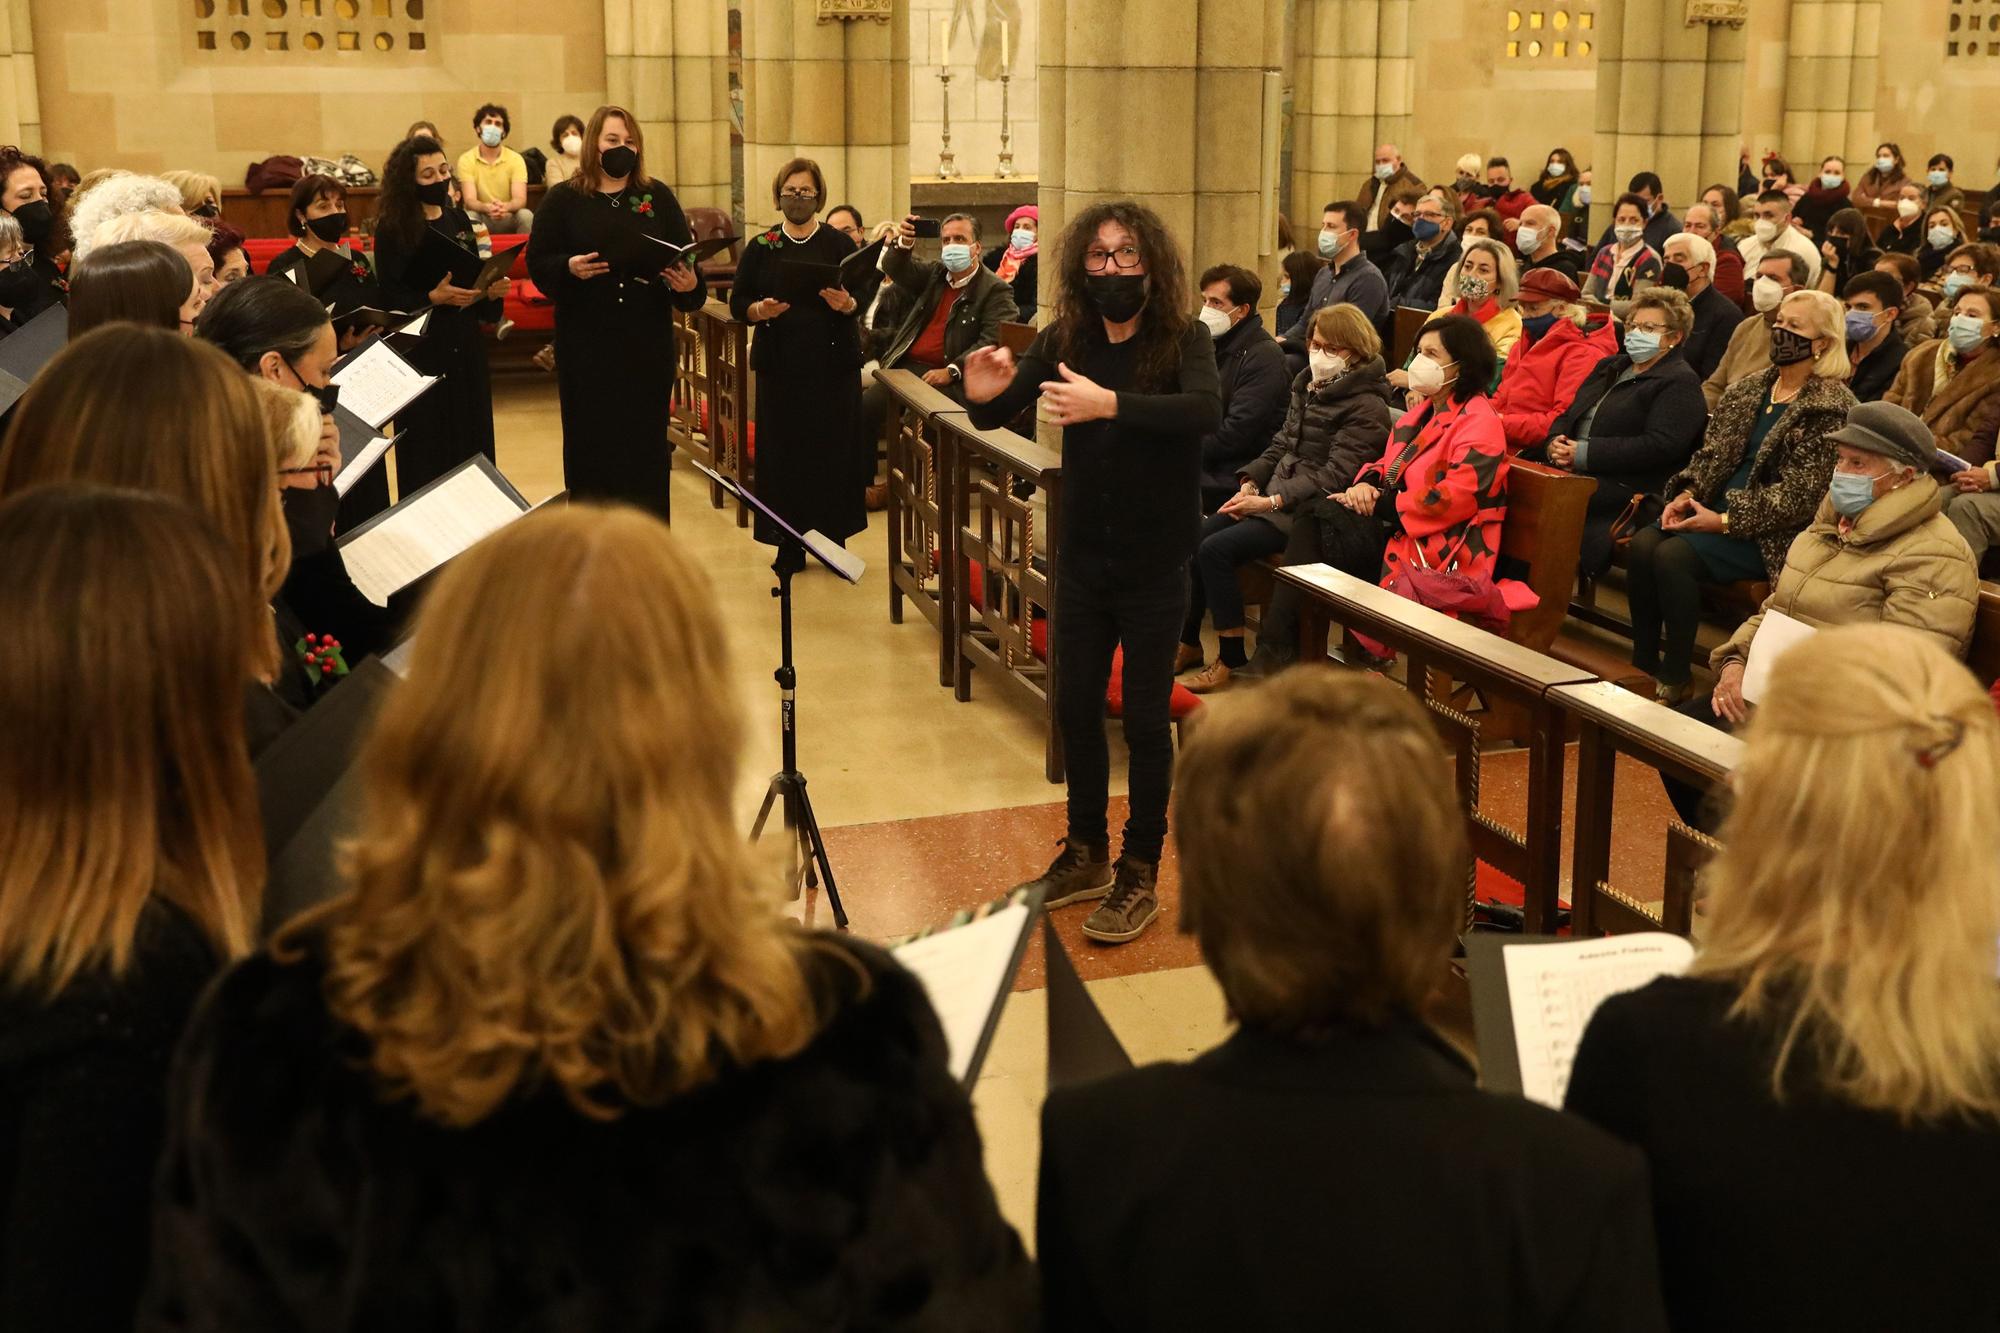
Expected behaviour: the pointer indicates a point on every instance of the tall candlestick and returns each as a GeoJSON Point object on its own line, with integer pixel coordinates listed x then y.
{"type": "Point", "coordinates": [1006, 56]}
{"type": "Point", "coordinates": [1005, 170]}
{"type": "Point", "coordinates": [947, 163]}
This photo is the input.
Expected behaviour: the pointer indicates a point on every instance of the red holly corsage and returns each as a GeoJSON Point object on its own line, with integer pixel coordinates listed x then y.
{"type": "Point", "coordinates": [321, 655]}
{"type": "Point", "coordinates": [360, 272]}
{"type": "Point", "coordinates": [643, 205]}
{"type": "Point", "coordinates": [770, 237]}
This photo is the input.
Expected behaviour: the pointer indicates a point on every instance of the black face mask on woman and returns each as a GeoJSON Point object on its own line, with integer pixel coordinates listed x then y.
{"type": "Point", "coordinates": [37, 219]}
{"type": "Point", "coordinates": [1789, 348]}
{"type": "Point", "coordinates": [618, 162]}
{"type": "Point", "coordinates": [437, 194]}
{"type": "Point", "coordinates": [1117, 296]}
{"type": "Point", "coordinates": [328, 229]}
{"type": "Point", "coordinates": [17, 284]}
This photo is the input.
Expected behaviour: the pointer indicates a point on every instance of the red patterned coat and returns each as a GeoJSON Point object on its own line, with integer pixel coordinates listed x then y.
{"type": "Point", "coordinates": [1454, 496]}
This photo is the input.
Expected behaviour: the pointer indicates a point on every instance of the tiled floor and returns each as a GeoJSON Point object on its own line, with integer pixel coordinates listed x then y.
{"type": "Point", "coordinates": [932, 805]}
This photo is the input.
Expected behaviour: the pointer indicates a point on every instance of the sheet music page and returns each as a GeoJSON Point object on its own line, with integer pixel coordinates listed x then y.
{"type": "Point", "coordinates": [1553, 989]}
{"type": "Point", "coordinates": [967, 971]}
{"type": "Point", "coordinates": [836, 555]}
{"type": "Point", "coordinates": [416, 327]}
{"type": "Point", "coordinates": [422, 533]}
{"type": "Point", "coordinates": [377, 384]}
{"type": "Point", "coordinates": [1775, 633]}
{"type": "Point", "coordinates": [344, 480]}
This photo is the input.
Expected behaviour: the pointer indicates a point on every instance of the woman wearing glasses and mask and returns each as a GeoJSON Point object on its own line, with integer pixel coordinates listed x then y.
{"type": "Point", "coordinates": [1129, 374]}
{"type": "Point", "coordinates": [805, 352]}
{"type": "Point", "coordinates": [31, 281]}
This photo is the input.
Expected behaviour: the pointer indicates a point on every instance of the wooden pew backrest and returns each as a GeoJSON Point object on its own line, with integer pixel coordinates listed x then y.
{"type": "Point", "coordinates": [1017, 338]}
{"type": "Point", "coordinates": [1984, 655]}
{"type": "Point", "coordinates": [1544, 530]}
{"type": "Point", "coordinates": [1410, 321]}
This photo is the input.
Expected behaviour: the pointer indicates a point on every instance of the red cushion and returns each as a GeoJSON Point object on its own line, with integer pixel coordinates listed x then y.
{"type": "Point", "coordinates": [750, 434]}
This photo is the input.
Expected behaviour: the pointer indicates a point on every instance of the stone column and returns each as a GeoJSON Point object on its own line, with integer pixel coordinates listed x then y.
{"type": "Point", "coordinates": [1351, 90]}
{"type": "Point", "coordinates": [667, 61]}
{"type": "Point", "coordinates": [836, 92]}
{"type": "Point", "coordinates": [20, 102]}
{"type": "Point", "coordinates": [1830, 83]}
{"type": "Point", "coordinates": [1162, 101]}
{"type": "Point", "coordinates": [1669, 100]}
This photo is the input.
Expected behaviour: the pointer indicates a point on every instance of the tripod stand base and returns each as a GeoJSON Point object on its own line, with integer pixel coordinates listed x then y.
{"type": "Point", "coordinates": [810, 866]}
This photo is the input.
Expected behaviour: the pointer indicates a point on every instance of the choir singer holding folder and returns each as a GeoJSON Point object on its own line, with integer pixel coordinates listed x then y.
{"type": "Point", "coordinates": [614, 330]}
{"type": "Point", "coordinates": [805, 352]}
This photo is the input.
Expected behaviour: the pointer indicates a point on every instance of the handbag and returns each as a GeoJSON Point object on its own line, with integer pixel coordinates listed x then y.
{"type": "Point", "coordinates": [1474, 599]}
{"type": "Point", "coordinates": [1641, 511]}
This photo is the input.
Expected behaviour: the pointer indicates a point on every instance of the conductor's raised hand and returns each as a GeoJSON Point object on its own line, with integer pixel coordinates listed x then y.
{"type": "Point", "coordinates": [680, 277]}
{"type": "Point", "coordinates": [839, 299]}
{"type": "Point", "coordinates": [1074, 399]}
{"type": "Point", "coordinates": [768, 308]}
{"type": "Point", "coordinates": [988, 372]}
{"type": "Point", "coordinates": [588, 266]}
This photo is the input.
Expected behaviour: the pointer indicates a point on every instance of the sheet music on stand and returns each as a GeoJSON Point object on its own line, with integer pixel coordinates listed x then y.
{"type": "Point", "coordinates": [967, 968]}
{"type": "Point", "coordinates": [377, 383]}
{"type": "Point", "coordinates": [420, 532]}
{"type": "Point", "coordinates": [1533, 995]}
{"type": "Point", "coordinates": [828, 552]}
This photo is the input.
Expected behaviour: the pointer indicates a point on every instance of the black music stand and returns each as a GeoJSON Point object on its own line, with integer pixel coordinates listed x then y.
{"type": "Point", "coordinates": [788, 784]}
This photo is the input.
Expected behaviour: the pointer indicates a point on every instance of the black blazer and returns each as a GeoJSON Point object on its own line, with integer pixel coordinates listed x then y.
{"type": "Point", "coordinates": [1715, 320]}
{"type": "Point", "coordinates": [840, 1188]}
{"type": "Point", "coordinates": [1360, 1183]}
{"type": "Point", "coordinates": [1810, 1215]}
{"type": "Point", "coordinates": [82, 1092]}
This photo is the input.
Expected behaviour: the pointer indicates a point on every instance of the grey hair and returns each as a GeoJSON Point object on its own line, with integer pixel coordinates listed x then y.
{"type": "Point", "coordinates": [966, 218]}
{"type": "Point", "coordinates": [116, 196]}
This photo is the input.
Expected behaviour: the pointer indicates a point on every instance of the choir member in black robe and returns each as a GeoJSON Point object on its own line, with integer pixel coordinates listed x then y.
{"type": "Point", "coordinates": [614, 322]}
{"type": "Point", "coordinates": [805, 352]}
{"type": "Point", "coordinates": [37, 281]}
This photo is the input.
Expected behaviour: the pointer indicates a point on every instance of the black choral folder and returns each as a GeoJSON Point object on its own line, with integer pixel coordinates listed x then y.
{"type": "Point", "coordinates": [25, 351]}
{"type": "Point", "coordinates": [640, 254]}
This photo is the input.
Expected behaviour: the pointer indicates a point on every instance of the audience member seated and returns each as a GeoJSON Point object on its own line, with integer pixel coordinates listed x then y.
{"type": "Point", "coordinates": [1725, 207]}
{"type": "Point", "coordinates": [1823, 197]}
{"type": "Point", "coordinates": [1470, 185]}
{"type": "Point", "coordinates": [1971, 265]}
{"type": "Point", "coordinates": [1348, 278]}
{"type": "Point", "coordinates": [1454, 208]}
{"type": "Point", "coordinates": [1626, 265]}
{"type": "Point", "coordinates": [1750, 488]}
{"type": "Point", "coordinates": [1706, 221]}
{"type": "Point", "coordinates": [1774, 230]}
{"type": "Point", "coordinates": [1914, 324]}
{"type": "Point", "coordinates": [1944, 234]}
{"type": "Point", "coordinates": [1390, 182]}
{"type": "Point", "coordinates": [493, 178]}
{"type": "Point", "coordinates": [1504, 197]}
{"type": "Point", "coordinates": [1874, 347]}
{"type": "Point", "coordinates": [1846, 251]}
{"type": "Point", "coordinates": [1715, 316]}
{"type": "Point", "coordinates": [1775, 278]}
{"type": "Point", "coordinates": [1417, 270]}
{"type": "Point", "coordinates": [117, 195]}
{"type": "Point", "coordinates": [1255, 384]}
{"type": "Point", "coordinates": [1839, 1030]}
{"type": "Point", "coordinates": [1989, 218]}
{"type": "Point", "coordinates": [1883, 182]}
{"type": "Point", "coordinates": [1939, 192]}
{"type": "Point", "coordinates": [1660, 222]}
{"type": "Point", "coordinates": [201, 194]}
{"type": "Point", "coordinates": [1539, 240]}
{"type": "Point", "coordinates": [1300, 271]}
{"type": "Point", "coordinates": [1557, 188]}
{"type": "Point", "coordinates": [1634, 422]}
{"type": "Point", "coordinates": [1556, 352]}
{"type": "Point", "coordinates": [1953, 382]}
{"type": "Point", "coordinates": [1389, 1191]}
{"type": "Point", "coordinates": [226, 253]}
{"type": "Point", "coordinates": [134, 866]}
{"type": "Point", "coordinates": [1778, 175]}
{"type": "Point", "coordinates": [207, 444]}
{"type": "Point", "coordinates": [1904, 234]}
{"type": "Point", "coordinates": [1479, 222]}
{"type": "Point", "coordinates": [1018, 263]}
{"type": "Point", "coordinates": [133, 282]}
{"type": "Point", "coordinates": [555, 1028]}
{"type": "Point", "coordinates": [1483, 287]}
{"type": "Point", "coordinates": [1338, 419]}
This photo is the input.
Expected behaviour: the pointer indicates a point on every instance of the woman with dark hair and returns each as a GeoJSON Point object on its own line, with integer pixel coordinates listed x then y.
{"type": "Point", "coordinates": [1824, 196]}
{"type": "Point", "coordinates": [318, 218]}
{"type": "Point", "coordinates": [566, 138]}
{"type": "Point", "coordinates": [24, 193]}
{"type": "Point", "coordinates": [1130, 376]}
{"type": "Point", "coordinates": [614, 327]}
{"type": "Point", "coordinates": [138, 282]}
{"type": "Point", "coordinates": [1847, 250]}
{"type": "Point", "coordinates": [453, 420]}
{"type": "Point", "coordinates": [1556, 186]}
{"type": "Point", "coordinates": [1301, 269]}
{"type": "Point", "coordinates": [227, 253]}
{"type": "Point", "coordinates": [1884, 180]}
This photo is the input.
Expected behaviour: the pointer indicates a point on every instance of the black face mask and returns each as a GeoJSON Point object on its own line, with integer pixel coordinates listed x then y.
{"type": "Point", "coordinates": [437, 194]}
{"type": "Point", "coordinates": [37, 219]}
{"type": "Point", "coordinates": [17, 284]}
{"type": "Point", "coordinates": [1117, 296]}
{"type": "Point", "coordinates": [309, 516]}
{"type": "Point", "coordinates": [328, 229]}
{"type": "Point", "coordinates": [208, 210]}
{"type": "Point", "coordinates": [328, 394]}
{"type": "Point", "coordinates": [618, 162]}
{"type": "Point", "coordinates": [1789, 348]}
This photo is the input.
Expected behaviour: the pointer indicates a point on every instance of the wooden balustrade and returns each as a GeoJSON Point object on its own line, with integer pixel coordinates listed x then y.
{"type": "Point", "coordinates": [922, 531]}
{"type": "Point", "coordinates": [711, 398]}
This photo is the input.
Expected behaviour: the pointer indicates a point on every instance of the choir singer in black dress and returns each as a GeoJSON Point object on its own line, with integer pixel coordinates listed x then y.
{"type": "Point", "coordinates": [614, 326]}
{"type": "Point", "coordinates": [805, 351]}
{"type": "Point", "coordinates": [452, 420]}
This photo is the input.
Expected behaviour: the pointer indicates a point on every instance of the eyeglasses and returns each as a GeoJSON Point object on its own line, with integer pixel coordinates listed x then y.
{"type": "Point", "coordinates": [807, 195]}
{"type": "Point", "coordinates": [1659, 329]}
{"type": "Point", "coordinates": [1097, 261]}
{"type": "Point", "coordinates": [323, 471]}
{"type": "Point", "coordinates": [1963, 270]}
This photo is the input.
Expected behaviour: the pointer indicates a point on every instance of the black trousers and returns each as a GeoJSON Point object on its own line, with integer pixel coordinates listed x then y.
{"type": "Point", "coordinates": [1226, 545]}
{"type": "Point", "coordinates": [1094, 616]}
{"type": "Point", "coordinates": [1663, 578]}
{"type": "Point", "coordinates": [1324, 531]}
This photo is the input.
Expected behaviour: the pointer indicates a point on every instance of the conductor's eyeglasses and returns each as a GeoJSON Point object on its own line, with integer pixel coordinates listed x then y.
{"type": "Point", "coordinates": [1098, 261]}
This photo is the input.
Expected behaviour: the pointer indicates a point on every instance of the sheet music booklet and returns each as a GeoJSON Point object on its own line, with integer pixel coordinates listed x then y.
{"type": "Point", "coordinates": [1533, 995]}
{"type": "Point", "coordinates": [967, 968]}
{"type": "Point", "coordinates": [439, 257]}
{"type": "Point", "coordinates": [361, 447]}
{"type": "Point", "coordinates": [803, 279]}
{"type": "Point", "coordinates": [376, 382]}
{"type": "Point", "coordinates": [420, 532]}
{"type": "Point", "coordinates": [640, 254]}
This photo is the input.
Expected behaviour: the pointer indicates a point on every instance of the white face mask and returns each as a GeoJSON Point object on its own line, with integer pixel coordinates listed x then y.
{"type": "Point", "coordinates": [573, 145]}
{"type": "Point", "coordinates": [1767, 230]}
{"type": "Point", "coordinates": [1426, 375]}
{"type": "Point", "coordinates": [1529, 239]}
{"type": "Point", "coordinates": [1885, 165]}
{"type": "Point", "coordinates": [1326, 365]}
{"type": "Point", "coordinates": [1216, 320]}
{"type": "Point", "coordinates": [1908, 208]}
{"type": "Point", "coordinates": [1628, 234]}
{"type": "Point", "coordinates": [1766, 293]}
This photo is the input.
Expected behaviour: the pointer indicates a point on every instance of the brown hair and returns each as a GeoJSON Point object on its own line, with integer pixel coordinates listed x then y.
{"type": "Point", "coordinates": [138, 282]}
{"type": "Point", "coordinates": [590, 163]}
{"type": "Point", "coordinates": [138, 407]}
{"type": "Point", "coordinates": [811, 168]}
{"type": "Point", "coordinates": [1324, 894]}
{"type": "Point", "coordinates": [548, 885]}
{"type": "Point", "coordinates": [309, 191]}
{"type": "Point", "coordinates": [1343, 325]}
{"type": "Point", "coordinates": [124, 776]}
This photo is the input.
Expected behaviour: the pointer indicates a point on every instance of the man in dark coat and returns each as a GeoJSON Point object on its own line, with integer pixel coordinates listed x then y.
{"type": "Point", "coordinates": [1418, 268]}
{"type": "Point", "coordinates": [1256, 387]}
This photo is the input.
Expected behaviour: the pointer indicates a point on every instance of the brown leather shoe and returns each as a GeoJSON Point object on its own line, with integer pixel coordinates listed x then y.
{"type": "Point", "coordinates": [1187, 657]}
{"type": "Point", "coordinates": [1215, 676]}
{"type": "Point", "coordinates": [877, 497]}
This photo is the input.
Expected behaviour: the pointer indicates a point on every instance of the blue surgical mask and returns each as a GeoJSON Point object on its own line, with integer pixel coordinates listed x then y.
{"type": "Point", "coordinates": [1021, 239]}
{"type": "Point", "coordinates": [1426, 229]}
{"type": "Point", "coordinates": [1642, 345]}
{"type": "Point", "coordinates": [1329, 243]}
{"type": "Point", "coordinates": [1954, 283]}
{"type": "Point", "coordinates": [491, 135]}
{"type": "Point", "coordinates": [1941, 237]}
{"type": "Point", "coordinates": [1383, 171]}
{"type": "Point", "coordinates": [1860, 326]}
{"type": "Point", "coordinates": [1284, 289]}
{"type": "Point", "coordinates": [1939, 179]}
{"type": "Point", "coordinates": [1965, 332]}
{"type": "Point", "coordinates": [957, 256]}
{"type": "Point", "coordinates": [1583, 196]}
{"type": "Point", "coordinates": [1828, 181]}
{"type": "Point", "coordinates": [1851, 493]}
{"type": "Point", "coordinates": [1885, 165]}
{"type": "Point", "coordinates": [1537, 325]}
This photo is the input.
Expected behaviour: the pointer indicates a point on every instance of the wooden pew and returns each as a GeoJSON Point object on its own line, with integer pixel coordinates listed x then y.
{"type": "Point", "coordinates": [693, 401]}
{"type": "Point", "coordinates": [1004, 536]}
{"type": "Point", "coordinates": [1409, 322]}
{"type": "Point", "coordinates": [922, 531]}
{"type": "Point", "coordinates": [1610, 722]}
{"type": "Point", "coordinates": [726, 349]}
{"type": "Point", "coordinates": [1984, 655]}
{"type": "Point", "coordinates": [1504, 673]}
{"type": "Point", "coordinates": [1017, 338]}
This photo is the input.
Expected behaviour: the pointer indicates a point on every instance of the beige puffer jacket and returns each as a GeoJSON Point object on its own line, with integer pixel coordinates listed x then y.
{"type": "Point", "coordinates": [1902, 564]}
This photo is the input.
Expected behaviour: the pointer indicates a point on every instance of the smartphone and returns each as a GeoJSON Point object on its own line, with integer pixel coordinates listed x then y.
{"type": "Point", "coordinates": [929, 229]}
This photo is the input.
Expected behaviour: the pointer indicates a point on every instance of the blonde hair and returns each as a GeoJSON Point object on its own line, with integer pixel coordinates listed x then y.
{"type": "Point", "coordinates": [1344, 325]}
{"type": "Point", "coordinates": [1310, 913]}
{"type": "Point", "coordinates": [1857, 898]}
{"type": "Point", "coordinates": [548, 887]}
{"type": "Point", "coordinates": [1509, 284]}
{"type": "Point", "coordinates": [294, 420]}
{"type": "Point", "coordinates": [124, 777]}
{"type": "Point", "coordinates": [1830, 318]}
{"type": "Point", "coordinates": [197, 188]}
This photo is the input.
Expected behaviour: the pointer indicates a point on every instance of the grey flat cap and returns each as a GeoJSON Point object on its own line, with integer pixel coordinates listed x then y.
{"type": "Point", "coordinates": [1894, 432]}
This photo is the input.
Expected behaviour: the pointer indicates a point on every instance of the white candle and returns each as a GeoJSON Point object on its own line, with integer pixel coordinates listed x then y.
{"type": "Point", "coordinates": [1006, 61]}
{"type": "Point", "coordinates": [943, 42]}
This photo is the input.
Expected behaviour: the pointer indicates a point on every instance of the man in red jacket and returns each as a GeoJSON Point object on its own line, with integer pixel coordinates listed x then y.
{"type": "Point", "coordinates": [1552, 359]}
{"type": "Point", "coordinates": [1503, 198]}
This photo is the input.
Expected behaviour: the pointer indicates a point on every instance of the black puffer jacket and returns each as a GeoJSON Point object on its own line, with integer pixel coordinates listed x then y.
{"type": "Point", "coordinates": [1328, 434]}
{"type": "Point", "coordinates": [1253, 373]}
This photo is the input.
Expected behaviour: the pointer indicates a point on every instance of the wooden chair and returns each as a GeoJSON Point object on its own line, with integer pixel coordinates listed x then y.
{"type": "Point", "coordinates": [710, 224]}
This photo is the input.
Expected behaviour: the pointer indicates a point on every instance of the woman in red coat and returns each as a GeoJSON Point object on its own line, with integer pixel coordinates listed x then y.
{"type": "Point", "coordinates": [1553, 357]}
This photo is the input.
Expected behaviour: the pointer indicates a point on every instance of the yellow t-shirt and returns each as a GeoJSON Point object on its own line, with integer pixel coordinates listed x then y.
{"type": "Point", "coordinates": [494, 180]}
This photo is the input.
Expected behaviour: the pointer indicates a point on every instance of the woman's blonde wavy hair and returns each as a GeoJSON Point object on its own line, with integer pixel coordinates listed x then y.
{"type": "Point", "coordinates": [1857, 901]}
{"type": "Point", "coordinates": [548, 887]}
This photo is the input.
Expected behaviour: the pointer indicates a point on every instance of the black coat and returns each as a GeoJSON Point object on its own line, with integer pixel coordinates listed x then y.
{"type": "Point", "coordinates": [1418, 281]}
{"type": "Point", "coordinates": [1329, 432]}
{"type": "Point", "coordinates": [1255, 393]}
{"type": "Point", "coordinates": [982, 307]}
{"type": "Point", "coordinates": [1806, 1215]}
{"type": "Point", "coordinates": [1027, 297]}
{"type": "Point", "coordinates": [1715, 319]}
{"type": "Point", "coordinates": [1874, 374]}
{"type": "Point", "coordinates": [453, 419]}
{"type": "Point", "coordinates": [82, 1093]}
{"type": "Point", "coordinates": [839, 1188]}
{"type": "Point", "coordinates": [1363, 1182]}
